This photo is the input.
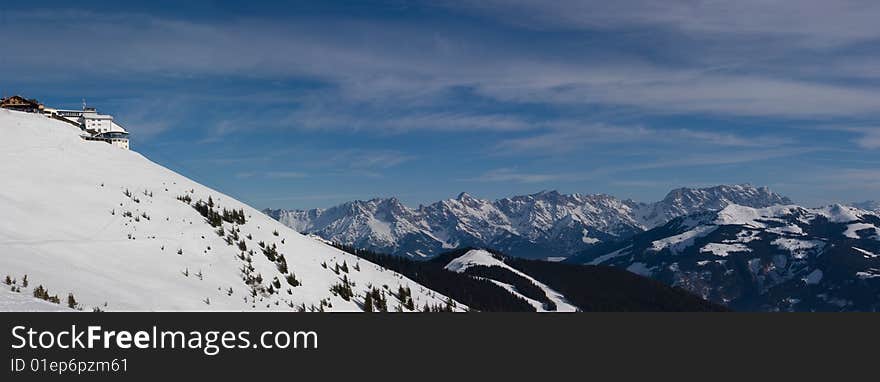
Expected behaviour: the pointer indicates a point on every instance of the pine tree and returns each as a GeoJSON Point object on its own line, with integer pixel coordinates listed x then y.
{"type": "Point", "coordinates": [343, 290]}
{"type": "Point", "coordinates": [449, 304]}
{"type": "Point", "coordinates": [41, 293]}
{"type": "Point", "coordinates": [71, 301]}
{"type": "Point", "coordinates": [24, 281]}
{"type": "Point", "coordinates": [368, 302]}
{"type": "Point", "coordinates": [282, 263]}
{"type": "Point", "coordinates": [8, 280]}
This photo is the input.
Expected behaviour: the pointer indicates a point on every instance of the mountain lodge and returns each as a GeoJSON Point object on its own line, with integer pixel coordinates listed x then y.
{"type": "Point", "coordinates": [19, 103]}
{"type": "Point", "coordinates": [97, 127]}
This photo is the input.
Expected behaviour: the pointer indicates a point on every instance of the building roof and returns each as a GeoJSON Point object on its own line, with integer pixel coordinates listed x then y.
{"type": "Point", "coordinates": [117, 128]}
{"type": "Point", "coordinates": [97, 116]}
{"type": "Point", "coordinates": [19, 101]}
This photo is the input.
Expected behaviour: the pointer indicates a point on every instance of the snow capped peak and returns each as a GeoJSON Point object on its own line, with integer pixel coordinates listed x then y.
{"type": "Point", "coordinates": [732, 193]}
{"type": "Point", "coordinates": [687, 201]}
{"type": "Point", "coordinates": [547, 194]}
{"type": "Point", "coordinates": [463, 196]}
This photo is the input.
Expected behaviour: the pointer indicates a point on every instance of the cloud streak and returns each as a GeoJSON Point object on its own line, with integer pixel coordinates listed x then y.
{"type": "Point", "coordinates": [814, 22]}
{"type": "Point", "coordinates": [566, 137]}
{"type": "Point", "coordinates": [398, 66]}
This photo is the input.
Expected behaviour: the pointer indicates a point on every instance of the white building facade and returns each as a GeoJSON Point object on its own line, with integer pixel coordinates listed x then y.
{"type": "Point", "coordinates": [98, 127]}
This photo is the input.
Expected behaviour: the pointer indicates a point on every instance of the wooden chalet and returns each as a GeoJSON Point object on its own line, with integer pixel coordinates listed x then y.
{"type": "Point", "coordinates": [20, 103]}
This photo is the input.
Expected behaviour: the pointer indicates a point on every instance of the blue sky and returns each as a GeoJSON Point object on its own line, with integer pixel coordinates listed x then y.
{"type": "Point", "coordinates": [311, 104]}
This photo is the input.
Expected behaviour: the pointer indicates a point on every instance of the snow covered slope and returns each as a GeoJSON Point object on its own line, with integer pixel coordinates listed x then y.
{"type": "Point", "coordinates": [109, 226]}
{"type": "Point", "coordinates": [477, 257]}
{"type": "Point", "coordinates": [775, 258]}
{"type": "Point", "coordinates": [538, 225]}
{"type": "Point", "coordinates": [18, 302]}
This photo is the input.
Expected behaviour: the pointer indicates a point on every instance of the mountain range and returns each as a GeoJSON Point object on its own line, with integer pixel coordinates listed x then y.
{"type": "Point", "coordinates": [541, 225]}
{"type": "Point", "coordinates": [779, 258]}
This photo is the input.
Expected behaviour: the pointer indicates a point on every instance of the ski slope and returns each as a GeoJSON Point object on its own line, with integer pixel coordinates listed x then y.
{"type": "Point", "coordinates": [106, 225]}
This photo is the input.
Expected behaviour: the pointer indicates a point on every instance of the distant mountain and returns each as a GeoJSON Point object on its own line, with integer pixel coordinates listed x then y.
{"type": "Point", "coordinates": [530, 226]}
{"type": "Point", "coordinates": [780, 258]}
{"type": "Point", "coordinates": [490, 281]}
{"type": "Point", "coordinates": [688, 201]}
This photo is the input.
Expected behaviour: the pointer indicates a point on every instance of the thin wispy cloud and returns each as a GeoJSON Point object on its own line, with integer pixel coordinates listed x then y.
{"type": "Point", "coordinates": [513, 175]}
{"type": "Point", "coordinates": [285, 175]}
{"type": "Point", "coordinates": [678, 162]}
{"type": "Point", "coordinates": [814, 22]}
{"type": "Point", "coordinates": [567, 137]}
{"type": "Point", "coordinates": [871, 139]}
{"type": "Point", "coordinates": [271, 175]}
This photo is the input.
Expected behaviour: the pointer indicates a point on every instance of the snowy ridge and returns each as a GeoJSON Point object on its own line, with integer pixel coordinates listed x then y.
{"type": "Point", "coordinates": [783, 257]}
{"type": "Point", "coordinates": [533, 225]}
{"type": "Point", "coordinates": [677, 243]}
{"type": "Point", "coordinates": [480, 257]}
{"type": "Point", "coordinates": [108, 226]}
